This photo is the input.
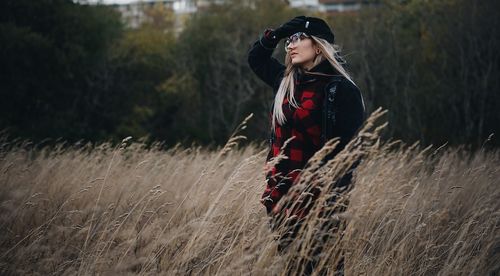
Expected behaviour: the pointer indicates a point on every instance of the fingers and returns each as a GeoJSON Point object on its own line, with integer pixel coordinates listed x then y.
{"type": "Point", "coordinates": [294, 25]}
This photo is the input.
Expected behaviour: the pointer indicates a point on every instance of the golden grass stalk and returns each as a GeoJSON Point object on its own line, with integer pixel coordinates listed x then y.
{"type": "Point", "coordinates": [84, 209]}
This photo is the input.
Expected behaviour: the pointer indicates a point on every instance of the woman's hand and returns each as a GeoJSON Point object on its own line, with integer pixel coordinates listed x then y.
{"type": "Point", "coordinates": [297, 24]}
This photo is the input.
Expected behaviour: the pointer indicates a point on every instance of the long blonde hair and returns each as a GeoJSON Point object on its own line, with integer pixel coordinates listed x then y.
{"type": "Point", "coordinates": [331, 52]}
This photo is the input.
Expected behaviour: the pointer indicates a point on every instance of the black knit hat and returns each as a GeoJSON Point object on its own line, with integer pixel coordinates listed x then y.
{"type": "Point", "coordinates": [318, 27]}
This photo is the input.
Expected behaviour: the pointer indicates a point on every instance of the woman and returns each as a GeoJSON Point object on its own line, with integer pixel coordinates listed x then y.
{"type": "Point", "coordinates": [315, 99]}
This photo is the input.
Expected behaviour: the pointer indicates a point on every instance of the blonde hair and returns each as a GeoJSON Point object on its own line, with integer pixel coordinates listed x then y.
{"type": "Point", "coordinates": [331, 52]}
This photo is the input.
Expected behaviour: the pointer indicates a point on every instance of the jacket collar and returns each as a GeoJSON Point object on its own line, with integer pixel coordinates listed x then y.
{"type": "Point", "coordinates": [322, 70]}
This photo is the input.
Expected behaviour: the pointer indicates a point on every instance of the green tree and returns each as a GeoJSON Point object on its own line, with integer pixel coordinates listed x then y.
{"type": "Point", "coordinates": [433, 64]}
{"type": "Point", "coordinates": [212, 51]}
{"type": "Point", "coordinates": [53, 57]}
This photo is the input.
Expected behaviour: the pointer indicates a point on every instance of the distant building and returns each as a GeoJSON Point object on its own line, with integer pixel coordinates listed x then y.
{"type": "Point", "coordinates": [133, 11]}
{"type": "Point", "coordinates": [331, 6]}
{"type": "Point", "coordinates": [307, 4]}
{"type": "Point", "coordinates": [184, 6]}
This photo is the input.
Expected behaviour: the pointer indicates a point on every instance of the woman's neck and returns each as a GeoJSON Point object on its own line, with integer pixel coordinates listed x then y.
{"type": "Point", "coordinates": [308, 66]}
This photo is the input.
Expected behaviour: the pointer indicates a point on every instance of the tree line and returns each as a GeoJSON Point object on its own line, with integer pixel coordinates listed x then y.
{"type": "Point", "coordinates": [76, 72]}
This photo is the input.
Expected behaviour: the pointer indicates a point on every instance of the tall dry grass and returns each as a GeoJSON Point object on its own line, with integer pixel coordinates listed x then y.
{"type": "Point", "coordinates": [188, 211]}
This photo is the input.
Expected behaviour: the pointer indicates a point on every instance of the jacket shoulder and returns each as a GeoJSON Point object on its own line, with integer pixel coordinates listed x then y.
{"type": "Point", "coordinates": [340, 85]}
{"type": "Point", "coordinates": [345, 91]}
{"type": "Point", "coordinates": [335, 80]}
{"type": "Point", "coordinates": [347, 85]}
{"type": "Point", "coordinates": [344, 87]}
{"type": "Point", "coordinates": [350, 92]}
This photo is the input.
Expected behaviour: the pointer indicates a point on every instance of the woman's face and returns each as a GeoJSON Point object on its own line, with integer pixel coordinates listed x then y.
{"type": "Point", "coordinates": [302, 52]}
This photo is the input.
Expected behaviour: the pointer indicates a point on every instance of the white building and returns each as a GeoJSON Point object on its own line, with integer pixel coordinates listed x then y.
{"type": "Point", "coordinates": [308, 4]}
{"type": "Point", "coordinates": [133, 10]}
{"type": "Point", "coordinates": [184, 6]}
{"type": "Point", "coordinates": [333, 6]}
{"type": "Point", "coordinates": [330, 6]}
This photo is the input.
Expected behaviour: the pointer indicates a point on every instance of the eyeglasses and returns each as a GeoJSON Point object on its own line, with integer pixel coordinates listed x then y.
{"type": "Point", "coordinates": [297, 37]}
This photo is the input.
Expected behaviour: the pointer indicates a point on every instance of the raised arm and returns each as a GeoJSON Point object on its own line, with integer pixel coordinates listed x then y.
{"type": "Point", "coordinates": [261, 62]}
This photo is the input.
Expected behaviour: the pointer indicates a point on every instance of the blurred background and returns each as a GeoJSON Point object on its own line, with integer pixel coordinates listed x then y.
{"type": "Point", "coordinates": [176, 70]}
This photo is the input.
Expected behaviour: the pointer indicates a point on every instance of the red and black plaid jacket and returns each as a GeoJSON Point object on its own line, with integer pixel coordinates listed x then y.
{"type": "Point", "coordinates": [304, 124]}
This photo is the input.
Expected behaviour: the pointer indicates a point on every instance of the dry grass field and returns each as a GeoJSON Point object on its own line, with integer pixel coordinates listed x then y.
{"type": "Point", "coordinates": [129, 209]}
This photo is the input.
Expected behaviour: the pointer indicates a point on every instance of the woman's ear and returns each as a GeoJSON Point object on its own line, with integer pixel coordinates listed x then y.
{"type": "Point", "coordinates": [317, 50]}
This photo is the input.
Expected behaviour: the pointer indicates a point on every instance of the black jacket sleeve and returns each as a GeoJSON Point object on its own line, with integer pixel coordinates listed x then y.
{"type": "Point", "coordinates": [262, 63]}
{"type": "Point", "coordinates": [350, 113]}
